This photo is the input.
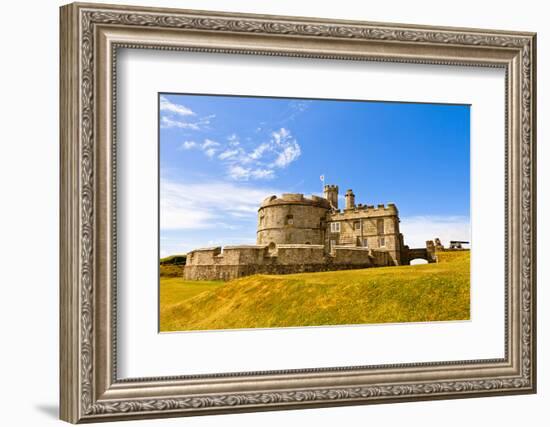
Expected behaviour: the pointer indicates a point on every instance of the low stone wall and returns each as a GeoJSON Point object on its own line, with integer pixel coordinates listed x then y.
{"type": "Point", "coordinates": [299, 254]}
{"type": "Point", "coordinates": [381, 258]}
{"type": "Point", "coordinates": [229, 272]}
{"type": "Point", "coordinates": [245, 260]}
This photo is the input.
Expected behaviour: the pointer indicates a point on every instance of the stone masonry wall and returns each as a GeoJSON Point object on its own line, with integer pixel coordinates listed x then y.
{"type": "Point", "coordinates": [291, 219]}
{"type": "Point", "coordinates": [368, 226]}
{"type": "Point", "coordinates": [239, 261]}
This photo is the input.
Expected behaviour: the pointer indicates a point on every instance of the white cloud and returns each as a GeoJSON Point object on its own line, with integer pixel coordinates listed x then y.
{"type": "Point", "coordinates": [209, 147]}
{"type": "Point", "coordinates": [241, 163]}
{"type": "Point", "coordinates": [166, 105]}
{"type": "Point", "coordinates": [187, 145]}
{"type": "Point", "coordinates": [240, 173]}
{"type": "Point", "coordinates": [206, 120]}
{"type": "Point", "coordinates": [177, 116]}
{"type": "Point", "coordinates": [288, 155]}
{"type": "Point", "coordinates": [280, 136]}
{"type": "Point", "coordinates": [208, 205]}
{"type": "Point", "coordinates": [210, 152]}
{"type": "Point", "coordinates": [228, 154]}
{"type": "Point", "coordinates": [417, 229]}
{"type": "Point", "coordinates": [261, 162]}
{"type": "Point", "coordinates": [209, 143]}
{"type": "Point", "coordinates": [286, 148]}
{"type": "Point", "coordinates": [263, 173]}
{"type": "Point", "coordinates": [296, 108]}
{"type": "Point", "coordinates": [167, 122]}
{"type": "Point", "coordinates": [259, 151]}
{"type": "Point", "coordinates": [233, 140]}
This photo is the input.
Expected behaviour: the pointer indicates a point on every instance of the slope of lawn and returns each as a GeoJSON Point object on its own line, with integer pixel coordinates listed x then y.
{"type": "Point", "coordinates": [417, 293]}
{"type": "Point", "coordinates": [172, 266]}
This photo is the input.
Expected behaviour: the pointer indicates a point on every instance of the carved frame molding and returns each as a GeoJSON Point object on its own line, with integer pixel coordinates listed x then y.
{"type": "Point", "coordinates": [90, 36]}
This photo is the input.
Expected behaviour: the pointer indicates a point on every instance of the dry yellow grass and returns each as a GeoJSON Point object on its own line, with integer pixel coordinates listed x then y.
{"type": "Point", "coordinates": [420, 293]}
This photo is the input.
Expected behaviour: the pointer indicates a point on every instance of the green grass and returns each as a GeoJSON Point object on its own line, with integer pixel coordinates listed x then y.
{"type": "Point", "coordinates": [174, 259]}
{"type": "Point", "coordinates": [419, 293]}
{"type": "Point", "coordinates": [171, 270]}
{"type": "Point", "coordinates": [172, 266]}
{"type": "Point", "coordinates": [175, 291]}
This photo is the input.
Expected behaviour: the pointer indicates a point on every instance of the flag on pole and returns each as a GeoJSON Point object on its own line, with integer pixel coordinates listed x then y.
{"type": "Point", "coordinates": [322, 177]}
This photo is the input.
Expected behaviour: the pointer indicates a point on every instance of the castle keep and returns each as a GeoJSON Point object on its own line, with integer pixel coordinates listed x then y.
{"type": "Point", "coordinates": [300, 234]}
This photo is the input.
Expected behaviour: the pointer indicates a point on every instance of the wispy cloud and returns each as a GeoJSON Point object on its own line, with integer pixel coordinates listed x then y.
{"type": "Point", "coordinates": [208, 205]}
{"type": "Point", "coordinates": [167, 122]}
{"type": "Point", "coordinates": [233, 140]}
{"type": "Point", "coordinates": [187, 145]}
{"type": "Point", "coordinates": [175, 115]}
{"type": "Point", "coordinates": [251, 161]}
{"type": "Point", "coordinates": [208, 143]}
{"type": "Point", "coordinates": [255, 157]}
{"type": "Point", "coordinates": [209, 147]}
{"type": "Point", "coordinates": [295, 109]}
{"type": "Point", "coordinates": [418, 229]}
{"type": "Point", "coordinates": [240, 173]}
{"type": "Point", "coordinates": [228, 154]}
{"type": "Point", "coordinates": [178, 109]}
{"type": "Point", "coordinates": [260, 161]}
{"type": "Point", "coordinates": [210, 152]}
{"type": "Point", "coordinates": [259, 151]}
{"type": "Point", "coordinates": [286, 147]}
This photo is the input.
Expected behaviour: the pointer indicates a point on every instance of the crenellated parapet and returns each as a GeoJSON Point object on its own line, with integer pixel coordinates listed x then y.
{"type": "Point", "coordinates": [237, 261]}
{"type": "Point", "coordinates": [295, 199]}
{"type": "Point", "coordinates": [366, 211]}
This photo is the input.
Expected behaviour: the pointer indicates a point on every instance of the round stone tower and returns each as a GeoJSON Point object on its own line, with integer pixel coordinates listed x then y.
{"type": "Point", "coordinates": [292, 219]}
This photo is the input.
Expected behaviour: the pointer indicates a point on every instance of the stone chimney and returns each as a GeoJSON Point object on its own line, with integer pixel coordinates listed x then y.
{"type": "Point", "coordinates": [350, 199]}
{"type": "Point", "coordinates": [331, 194]}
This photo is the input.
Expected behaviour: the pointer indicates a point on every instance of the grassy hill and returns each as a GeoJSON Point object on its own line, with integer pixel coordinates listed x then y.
{"type": "Point", "coordinates": [419, 293]}
{"type": "Point", "coordinates": [172, 266]}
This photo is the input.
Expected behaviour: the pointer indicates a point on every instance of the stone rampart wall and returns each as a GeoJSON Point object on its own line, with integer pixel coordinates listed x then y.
{"type": "Point", "coordinates": [239, 261]}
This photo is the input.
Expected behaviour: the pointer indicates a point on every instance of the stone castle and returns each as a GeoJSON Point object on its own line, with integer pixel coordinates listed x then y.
{"type": "Point", "coordinates": [300, 234]}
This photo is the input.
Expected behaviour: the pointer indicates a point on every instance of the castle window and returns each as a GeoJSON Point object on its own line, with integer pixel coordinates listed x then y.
{"type": "Point", "coordinates": [334, 227]}
{"type": "Point", "coordinates": [357, 225]}
{"type": "Point", "coordinates": [382, 242]}
{"type": "Point", "coordinates": [365, 243]}
{"type": "Point", "coordinates": [380, 226]}
{"type": "Point", "coordinates": [289, 219]}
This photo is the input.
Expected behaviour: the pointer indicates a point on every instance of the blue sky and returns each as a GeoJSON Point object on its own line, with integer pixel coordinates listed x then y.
{"type": "Point", "coordinates": [221, 155]}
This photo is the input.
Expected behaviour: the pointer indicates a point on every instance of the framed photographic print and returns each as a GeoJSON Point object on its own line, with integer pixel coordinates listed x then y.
{"type": "Point", "coordinates": [266, 212]}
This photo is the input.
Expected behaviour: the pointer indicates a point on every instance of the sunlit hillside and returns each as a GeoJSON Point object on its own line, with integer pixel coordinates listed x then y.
{"type": "Point", "coordinates": [419, 293]}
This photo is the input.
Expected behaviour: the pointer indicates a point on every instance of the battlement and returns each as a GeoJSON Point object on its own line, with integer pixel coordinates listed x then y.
{"type": "Point", "coordinates": [295, 198]}
{"type": "Point", "coordinates": [243, 260]}
{"type": "Point", "coordinates": [331, 187]}
{"type": "Point", "coordinates": [208, 249]}
{"type": "Point", "coordinates": [369, 210]}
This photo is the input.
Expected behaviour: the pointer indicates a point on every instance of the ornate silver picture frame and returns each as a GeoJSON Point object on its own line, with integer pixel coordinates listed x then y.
{"type": "Point", "coordinates": [91, 35]}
